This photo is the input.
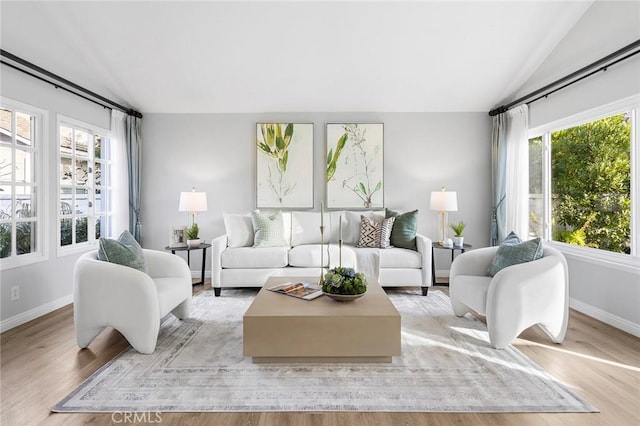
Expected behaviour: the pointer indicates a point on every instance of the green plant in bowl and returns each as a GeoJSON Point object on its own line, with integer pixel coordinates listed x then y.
{"type": "Point", "coordinates": [344, 281]}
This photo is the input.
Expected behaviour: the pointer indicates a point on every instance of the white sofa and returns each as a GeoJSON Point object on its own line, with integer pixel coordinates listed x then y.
{"type": "Point", "coordinates": [236, 263]}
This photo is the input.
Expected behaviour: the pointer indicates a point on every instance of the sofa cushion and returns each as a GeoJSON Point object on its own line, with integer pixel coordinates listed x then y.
{"type": "Point", "coordinates": [404, 230]}
{"type": "Point", "coordinates": [268, 230]}
{"type": "Point", "coordinates": [239, 230]}
{"type": "Point", "coordinates": [375, 234]}
{"type": "Point", "coordinates": [351, 224]}
{"type": "Point", "coordinates": [308, 256]}
{"type": "Point", "coordinates": [513, 254]}
{"type": "Point", "coordinates": [249, 257]}
{"type": "Point", "coordinates": [124, 251]}
{"type": "Point", "coordinates": [400, 258]}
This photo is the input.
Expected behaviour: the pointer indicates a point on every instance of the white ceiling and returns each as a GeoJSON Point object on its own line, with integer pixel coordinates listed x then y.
{"type": "Point", "coordinates": [211, 56]}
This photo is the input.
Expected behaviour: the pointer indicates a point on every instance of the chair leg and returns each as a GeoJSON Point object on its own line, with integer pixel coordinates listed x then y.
{"type": "Point", "coordinates": [425, 290]}
{"type": "Point", "coordinates": [183, 310]}
{"type": "Point", "coordinates": [216, 291]}
{"type": "Point", "coordinates": [85, 335]}
{"type": "Point", "coordinates": [459, 309]}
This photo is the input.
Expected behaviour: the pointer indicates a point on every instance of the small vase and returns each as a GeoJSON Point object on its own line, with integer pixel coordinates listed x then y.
{"type": "Point", "coordinates": [193, 243]}
{"type": "Point", "coordinates": [458, 241]}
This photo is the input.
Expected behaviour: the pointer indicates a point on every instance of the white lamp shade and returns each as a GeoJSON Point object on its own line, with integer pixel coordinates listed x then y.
{"type": "Point", "coordinates": [193, 202]}
{"type": "Point", "coordinates": [444, 201]}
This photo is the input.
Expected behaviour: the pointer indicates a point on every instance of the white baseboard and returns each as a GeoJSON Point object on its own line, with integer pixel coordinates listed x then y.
{"type": "Point", "coordinates": [34, 313]}
{"type": "Point", "coordinates": [606, 317]}
{"type": "Point", "coordinates": [198, 274]}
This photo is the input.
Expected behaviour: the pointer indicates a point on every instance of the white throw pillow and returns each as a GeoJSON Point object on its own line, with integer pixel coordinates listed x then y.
{"type": "Point", "coordinates": [239, 230]}
{"type": "Point", "coordinates": [305, 227]}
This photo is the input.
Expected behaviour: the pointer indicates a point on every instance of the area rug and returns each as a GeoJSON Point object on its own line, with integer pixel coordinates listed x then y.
{"type": "Point", "coordinates": [447, 365]}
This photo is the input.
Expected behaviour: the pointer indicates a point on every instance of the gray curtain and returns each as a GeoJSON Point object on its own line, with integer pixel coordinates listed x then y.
{"type": "Point", "coordinates": [498, 178]}
{"type": "Point", "coordinates": [134, 157]}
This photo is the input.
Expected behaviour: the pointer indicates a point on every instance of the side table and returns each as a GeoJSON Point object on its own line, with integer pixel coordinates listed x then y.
{"type": "Point", "coordinates": [435, 246]}
{"type": "Point", "coordinates": [203, 247]}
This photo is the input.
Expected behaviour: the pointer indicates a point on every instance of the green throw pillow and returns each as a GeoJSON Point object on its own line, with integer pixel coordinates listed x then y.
{"type": "Point", "coordinates": [513, 253]}
{"type": "Point", "coordinates": [268, 231]}
{"type": "Point", "coordinates": [404, 230]}
{"type": "Point", "coordinates": [511, 239]}
{"type": "Point", "coordinates": [124, 251]}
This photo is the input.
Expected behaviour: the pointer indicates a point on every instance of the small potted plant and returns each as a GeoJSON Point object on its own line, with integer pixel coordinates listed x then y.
{"type": "Point", "coordinates": [344, 284]}
{"type": "Point", "coordinates": [458, 238]}
{"type": "Point", "coordinates": [192, 236]}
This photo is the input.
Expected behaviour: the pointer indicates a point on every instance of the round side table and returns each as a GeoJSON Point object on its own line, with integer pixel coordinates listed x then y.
{"type": "Point", "coordinates": [453, 249]}
{"type": "Point", "coordinates": [203, 247]}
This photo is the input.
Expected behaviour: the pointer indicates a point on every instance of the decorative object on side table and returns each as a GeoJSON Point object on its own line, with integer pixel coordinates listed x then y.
{"type": "Point", "coordinates": [344, 284]}
{"type": "Point", "coordinates": [193, 202]}
{"type": "Point", "coordinates": [192, 236]}
{"type": "Point", "coordinates": [458, 228]}
{"type": "Point", "coordinates": [177, 237]}
{"type": "Point", "coordinates": [443, 201]}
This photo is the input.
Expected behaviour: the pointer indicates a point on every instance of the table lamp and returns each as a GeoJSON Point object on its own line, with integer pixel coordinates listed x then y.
{"type": "Point", "coordinates": [443, 201]}
{"type": "Point", "coordinates": [193, 202]}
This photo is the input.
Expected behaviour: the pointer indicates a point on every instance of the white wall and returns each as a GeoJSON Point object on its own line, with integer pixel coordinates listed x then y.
{"type": "Point", "coordinates": [46, 285]}
{"type": "Point", "coordinates": [216, 153]}
{"type": "Point", "coordinates": [600, 289]}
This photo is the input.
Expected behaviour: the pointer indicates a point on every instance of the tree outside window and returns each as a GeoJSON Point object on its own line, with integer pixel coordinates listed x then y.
{"type": "Point", "coordinates": [590, 184]}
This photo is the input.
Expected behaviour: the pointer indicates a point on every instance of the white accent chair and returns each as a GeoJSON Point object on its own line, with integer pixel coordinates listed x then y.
{"type": "Point", "coordinates": [133, 302]}
{"type": "Point", "coordinates": [516, 298]}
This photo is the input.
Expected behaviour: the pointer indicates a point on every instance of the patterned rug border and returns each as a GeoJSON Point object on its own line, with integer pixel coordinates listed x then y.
{"type": "Point", "coordinates": [583, 407]}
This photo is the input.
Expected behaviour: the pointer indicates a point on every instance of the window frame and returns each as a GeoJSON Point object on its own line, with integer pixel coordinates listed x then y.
{"type": "Point", "coordinates": [91, 214]}
{"type": "Point", "coordinates": [40, 152]}
{"type": "Point", "coordinates": [631, 105]}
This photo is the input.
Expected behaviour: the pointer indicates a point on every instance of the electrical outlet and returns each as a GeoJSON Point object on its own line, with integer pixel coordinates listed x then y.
{"type": "Point", "coordinates": [15, 293]}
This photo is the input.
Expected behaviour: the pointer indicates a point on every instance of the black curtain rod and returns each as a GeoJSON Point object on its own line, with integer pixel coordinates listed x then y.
{"type": "Point", "coordinates": [600, 65]}
{"type": "Point", "coordinates": [107, 103]}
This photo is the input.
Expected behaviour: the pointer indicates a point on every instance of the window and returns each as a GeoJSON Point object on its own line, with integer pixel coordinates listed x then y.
{"type": "Point", "coordinates": [580, 180]}
{"type": "Point", "coordinates": [21, 199]}
{"type": "Point", "coordinates": [85, 191]}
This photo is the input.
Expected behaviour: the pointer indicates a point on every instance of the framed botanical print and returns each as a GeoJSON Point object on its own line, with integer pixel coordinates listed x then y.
{"type": "Point", "coordinates": [355, 167]}
{"type": "Point", "coordinates": [284, 175]}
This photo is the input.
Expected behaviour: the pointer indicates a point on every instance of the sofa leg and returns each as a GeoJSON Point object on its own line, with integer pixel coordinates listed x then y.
{"type": "Point", "coordinates": [425, 290]}
{"type": "Point", "coordinates": [216, 291]}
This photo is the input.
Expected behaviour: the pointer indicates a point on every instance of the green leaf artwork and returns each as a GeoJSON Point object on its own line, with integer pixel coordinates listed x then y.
{"type": "Point", "coordinates": [284, 165]}
{"type": "Point", "coordinates": [354, 165]}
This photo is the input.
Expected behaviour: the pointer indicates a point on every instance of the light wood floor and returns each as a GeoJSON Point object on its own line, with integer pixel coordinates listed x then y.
{"type": "Point", "coordinates": [41, 364]}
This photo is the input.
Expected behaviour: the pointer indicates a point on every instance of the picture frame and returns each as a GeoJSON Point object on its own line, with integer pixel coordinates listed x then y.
{"type": "Point", "coordinates": [178, 237]}
{"type": "Point", "coordinates": [284, 165]}
{"type": "Point", "coordinates": [355, 166]}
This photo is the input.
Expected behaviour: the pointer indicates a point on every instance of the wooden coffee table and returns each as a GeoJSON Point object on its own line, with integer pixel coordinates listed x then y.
{"type": "Point", "coordinates": [279, 328]}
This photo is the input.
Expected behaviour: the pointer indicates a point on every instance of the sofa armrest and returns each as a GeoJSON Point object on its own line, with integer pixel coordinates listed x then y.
{"type": "Point", "coordinates": [218, 245]}
{"type": "Point", "coordinates": [474, 262]}
{"type": "Point", "coordinates": [424, 246]}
